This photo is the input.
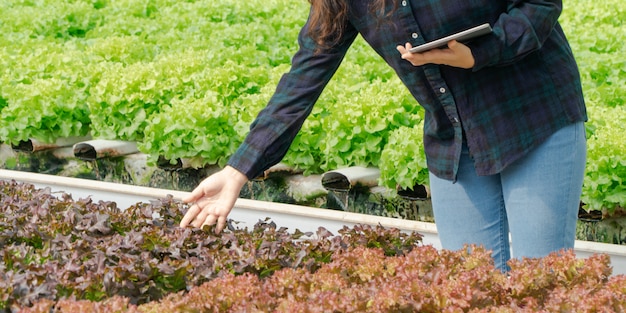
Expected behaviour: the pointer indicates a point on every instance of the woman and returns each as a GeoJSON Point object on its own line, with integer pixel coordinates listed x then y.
{"type": "Point", "coordinates": [504, 116]}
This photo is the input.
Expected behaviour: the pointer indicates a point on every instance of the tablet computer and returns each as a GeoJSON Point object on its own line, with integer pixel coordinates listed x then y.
{"type": "Point", "coordinates": [463, 36]}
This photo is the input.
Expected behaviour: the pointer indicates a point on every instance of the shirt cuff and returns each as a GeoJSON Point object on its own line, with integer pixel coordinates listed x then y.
{"type": "Point", "coordinates": [248, 161]}
{"type": "Point", "coordinates": [485, 52]}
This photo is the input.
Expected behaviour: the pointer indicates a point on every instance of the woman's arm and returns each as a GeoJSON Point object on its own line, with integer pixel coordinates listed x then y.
{"type": "Point", "coordinates": [519, 31]}
{"type": "Point", "coordinates": [270, 134]}
{"type": "Point", "coordinates": [274, 129]}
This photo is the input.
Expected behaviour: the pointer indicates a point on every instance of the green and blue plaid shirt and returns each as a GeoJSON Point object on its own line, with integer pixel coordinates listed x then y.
{"type": "Point", "coordinates": [524, 86]}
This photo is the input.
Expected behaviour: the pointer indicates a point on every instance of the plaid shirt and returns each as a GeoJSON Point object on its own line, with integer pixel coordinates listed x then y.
{"type": "Point", "coordinates": [524, 86]}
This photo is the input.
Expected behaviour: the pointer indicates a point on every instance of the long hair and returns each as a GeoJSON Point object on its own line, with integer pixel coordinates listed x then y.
{"type": "Point", "coordinates": [328, 17]}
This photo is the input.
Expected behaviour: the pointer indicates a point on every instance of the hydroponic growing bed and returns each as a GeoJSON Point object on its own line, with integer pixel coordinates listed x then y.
{"type": "Point", "coordinates": [248, 212]}
{"type": "Point", "coordinates": [75, 253]}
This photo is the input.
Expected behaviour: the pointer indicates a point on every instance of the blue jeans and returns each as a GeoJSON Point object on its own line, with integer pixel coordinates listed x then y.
{"type": "Point", "coordinates": [535, 200]}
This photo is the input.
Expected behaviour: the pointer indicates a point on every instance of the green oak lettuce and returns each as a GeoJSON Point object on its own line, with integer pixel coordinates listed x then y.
{"type": "Point", "coordinates": [184, 79]}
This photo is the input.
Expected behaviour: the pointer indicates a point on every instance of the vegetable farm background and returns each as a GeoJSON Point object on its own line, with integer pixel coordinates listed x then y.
{"type": "Point", "coordinates": [184, 79]}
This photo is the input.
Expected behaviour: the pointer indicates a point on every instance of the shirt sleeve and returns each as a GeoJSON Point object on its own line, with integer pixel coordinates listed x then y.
{"type": "Point", "coordinates": [276, 126]}
{"type": "Point", "coordinates": [521, 30]}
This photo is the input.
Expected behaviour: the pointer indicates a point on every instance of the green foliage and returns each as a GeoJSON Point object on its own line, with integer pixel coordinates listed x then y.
{"type": "Point", "coordinates": [60, 20]}
{"type": "Point", "coordinates": [204, 124]}
{"type": "Point", "coordinates": [35, 109]}
{"type": "Point", "coordinates": [351, 128]}
{"type": "Point", "coordinates": [604, 187]}
{"type": "Point", "coordinates": [42, 93]}
{"type": "Point", "coordinates": [403, 161]}
{"type": "Point", "coordinates": [126, 96]}
{"type": "Point", "coordinates": [600, 55]}
{"type": "Point", "coordinates": [124, 61]}
{"type": "Point", "coordinates": [184, 79]}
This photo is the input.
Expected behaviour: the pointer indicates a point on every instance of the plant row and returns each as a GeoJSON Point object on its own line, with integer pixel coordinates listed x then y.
{"type": "Point", "coordinates": [424, 280]}
{"type": "Point", "coordinates": [53, 247]}
{"type": "Point", "coordinates": [65, 255]}
{"type": "Point", "coordinates": [600, 56]}
{"type": "Point", "coordinates": [184, 79]}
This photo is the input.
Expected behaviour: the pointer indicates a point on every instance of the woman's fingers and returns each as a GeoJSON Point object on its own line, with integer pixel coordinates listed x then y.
{"type": "Point", "coordinates": [456, 54]}
{"type": "Point", "coordinates": [404, 51]}
{"type": "Point", "coordinates": [208, 220]}
{"type": "Point", "coordinates": [417, 59]}
{"type": "Point", "coordinates": [220, 223]}
{"type": "Point", "coordinates": [213, 199]}
{"type": "Point", "coordinates": [212, 215]}
{"type": "Point", "coordinates": [207, 187]}
{"type": "Point", "coordinates": [202, 216]}
{"type": "Point", "coordinates": [190, 215]}
{"type": "Point", "coordinates": [200, 198]}
{"type": "Point", "coordinates": [208, 212]}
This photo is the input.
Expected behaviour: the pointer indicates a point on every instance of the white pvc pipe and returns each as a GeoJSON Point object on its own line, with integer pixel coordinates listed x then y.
{"type": "Point", "coordinates": [346, 178]}
{"type": "Point", "coordinates": [100, 148]}
{"type": "Point", "coordinates": [33, 145]}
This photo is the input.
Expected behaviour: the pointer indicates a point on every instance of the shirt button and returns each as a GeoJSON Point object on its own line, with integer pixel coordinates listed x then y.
{"type": "Point", "coordinates": [442, 90]}
{"type": "Point", "coordinates": [404, 3]}
{"type": "Point", "coordinates": [414, 35]}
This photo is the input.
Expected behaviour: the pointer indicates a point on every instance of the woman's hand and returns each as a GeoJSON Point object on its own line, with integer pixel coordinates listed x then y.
{"type": "Point", "coordinates": [456, 55]}
{"type": "Point", "coordinates": [213, 199]}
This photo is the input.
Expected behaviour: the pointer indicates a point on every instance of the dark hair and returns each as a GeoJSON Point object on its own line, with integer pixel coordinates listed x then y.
{"type": "Point", "coordinates": [327, 20]}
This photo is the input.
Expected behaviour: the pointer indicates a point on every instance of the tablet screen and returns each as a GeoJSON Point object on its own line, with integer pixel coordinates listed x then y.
{"type": "Point", "coordinates": [463, 36]}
